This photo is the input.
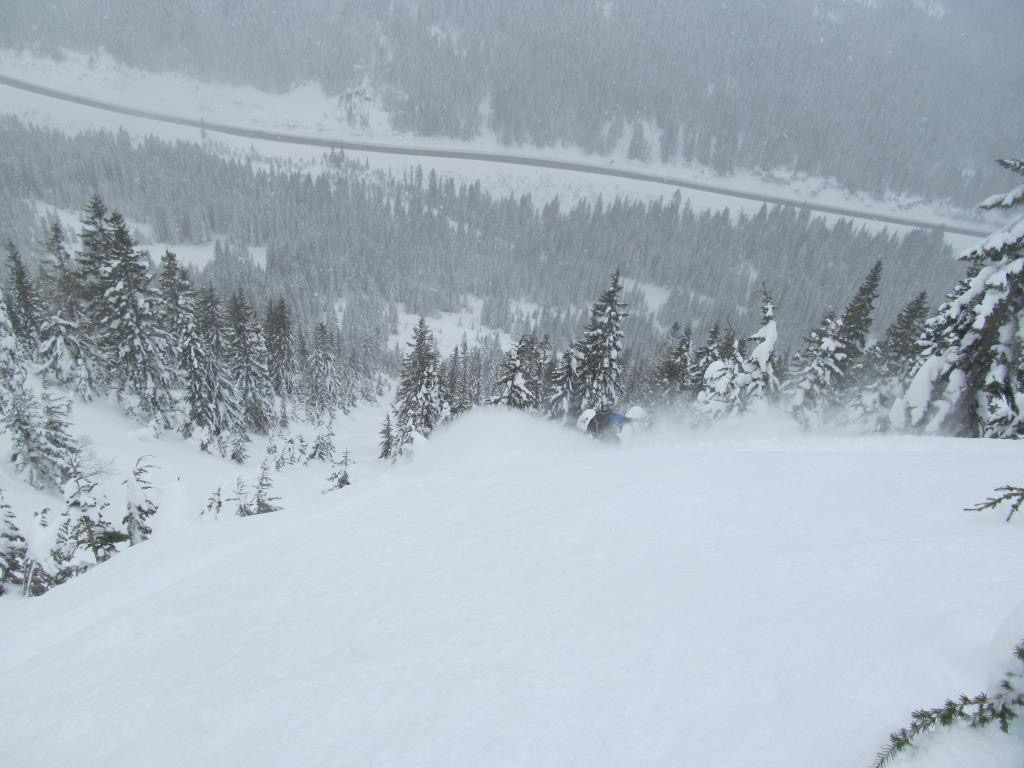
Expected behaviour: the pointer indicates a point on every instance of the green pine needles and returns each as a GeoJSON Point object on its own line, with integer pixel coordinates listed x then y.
{"type": "Point", "coordinates": [1007, 494]}
{"type": "Point", "coordinates": [978, 712]}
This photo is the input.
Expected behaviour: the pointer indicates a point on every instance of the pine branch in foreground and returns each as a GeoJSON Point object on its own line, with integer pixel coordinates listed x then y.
{"type": "Point", "coordinates": [978, 712]}
{"type": "Point", "coordinates": [1008, 494]}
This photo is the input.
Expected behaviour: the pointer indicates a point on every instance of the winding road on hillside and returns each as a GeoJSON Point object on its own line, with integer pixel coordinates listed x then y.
{"type": "Point", "coordinates": [495, 157]}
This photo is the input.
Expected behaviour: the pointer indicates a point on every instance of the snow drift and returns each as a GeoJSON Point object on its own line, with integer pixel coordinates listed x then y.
{"type": "Point", "coordinates": [520, 595]}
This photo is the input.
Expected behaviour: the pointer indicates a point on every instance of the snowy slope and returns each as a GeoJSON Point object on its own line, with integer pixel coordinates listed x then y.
{"type": "Point", "coordinates": [543, 600]}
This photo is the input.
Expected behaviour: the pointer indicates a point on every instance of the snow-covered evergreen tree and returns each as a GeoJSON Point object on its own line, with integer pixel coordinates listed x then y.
{"type": "Point", "coordinates": [533, 356]}
{"type": "Point", "coordinates": [387, 439]}
{"type": "Point", "coordinates": [262, 501]}
{"type": "Point", "coordinates": [725, 384]}
{"type": "Point", "coordinates": [210, 396]}
{"type": "Point", "coordinates": [238, 444]}
{"type": "Point", "coordinates": [511, 389]}
{"type": "Point", "coordinates": [41, 448]}
{"type": "Point", "coordinates": [130, 332]}
{"type": "Point", "coordinates": [66, 353]}
{"type": "Point", "coordinates": [855, 328]}
{"type": "Point", "coordinates": [759, 363]}
{"type": "Point", "coordinates": [214, 504]}
{"type": "Point", "coordinates": [84, 530]}
{"type": "Point", "coordinates": [323, 445]}
{"type": "Point", "coordinates": [280, 349]}
{"type": "Point", "coordinates": [175, 295]}
{"type": "Point", "coordinates": [339, 478]}
{"type": "Point", "coordinates": [58, 445]}
{"type": "Point", "coordinates": [563, 401]}
{"type": "Point", "coordinates": [139, 507]}
{"type": "Point", "coordinates": [24, 309]}
{"type": "Point", "coordinates": [67, 356]}
{"type": "Point", "coordinates": [600, 351]}
{"type": "Point", "coordinates": [243, 501]}
{"type": "Point", "coordinates": [13, 551]}
{"type": "Point", "coordinates": [886, 369]}
{"type": "Point", "coordinates": [673, 369]}
{"type": "Point", "coordinates": [710, 351]}
{"type": "Point", "coordinates": [248, 351]}
{"type": "Point", "coordinates": [94, 262]}
{"type": "Point", "coordinates": [323, 391]}
{"type": "Point", "coordinates": [59, 278]}
{"type": "Point", "coordinates": [969, 378]}
{"type": "Point", "coordinates": [419, 405]}
{"type": "Point", "coordinates": [812, 390]}
{"type": "Point", "coordinates": [462, 394]}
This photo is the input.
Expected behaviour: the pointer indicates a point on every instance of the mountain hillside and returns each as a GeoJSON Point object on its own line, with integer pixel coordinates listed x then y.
{"type": "Point", "coordinates": [518, 595]}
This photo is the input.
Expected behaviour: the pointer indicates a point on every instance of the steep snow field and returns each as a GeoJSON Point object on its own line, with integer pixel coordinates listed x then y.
{"type": "Point", "coordinates": [520, 595]}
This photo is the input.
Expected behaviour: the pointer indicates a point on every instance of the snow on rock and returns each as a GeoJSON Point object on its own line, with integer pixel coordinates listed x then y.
{"type": "Point", "coordinates": [520, 595]}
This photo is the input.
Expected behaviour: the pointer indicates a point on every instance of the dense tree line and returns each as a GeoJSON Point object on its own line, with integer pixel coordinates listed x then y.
{"type": "Point", "coordinates": [373, 240]}
{"type": "Point", "coordinates": [816, 86]}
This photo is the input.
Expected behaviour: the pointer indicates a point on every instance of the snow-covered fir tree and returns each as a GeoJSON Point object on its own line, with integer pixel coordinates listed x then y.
{"type": "Point", "coordinates": [759, 363]}
{"type": "Point", "coordinates": [534, 353]}
{"type": "Point", "coordinates": [706, 354]}
{"type": "Point", "coordinates": [248, 354]}
{"type": "Point", "coordinates": [211, 391]}
{"type": "Point", "coordinates": [13, 551]}
{"type": "Point", "coordinates": [323, 391]}
{"type": "Point", "coordinates": [725, 384]}
{"type": "Point", "coordinates": [66, 353]}
{"type": "Point", "coordinates": [263, 501]}
{"type": "Point", "coordinates": [238, 444]}
{"type": "Point", "coordinates": [212, 405]}
{"type": "Point", "coordinates": [600, 350]}
{"type": "Point", "coordinates": [511, 388]}
{"type": "Point", "coordinates": [461, 390]}
{"type": "Point", "coordinates": [346, 366]}
{"type": "Point", "coordinates": [339, 478]}
{"type": "Point", "coordinates": [563, 400]}
{"type": "Point", "coordinates": [322, 448]}
{"type": "Point", "coordinates": [242, 499]}
{"type": "Point", "coordinates": [58, 445]}
{"type": "Point", "coordinates": [130, 332]}
{"type": "Point", "coordinates": [24, 309]}
{"type": "Point", "coordinates": [94, 262]}
{"type": "Point", "coordinates": [816, 370]}
{"type": "Point", "coordinates": [23, 420]}
{"type": "Point", "coordinates": [67, 357]}
{"type": "Point", "coordinates": [214, 504]}
{"type": "Point", "coordinates": [288, 454]}
{"type": "Point", "coordinates": [139, 507]}
{"type": "Point", "coordinates": [85, 537]}
{"type": "Point", "coordinates": [969, 378]}
{"type": "Point", "coordinates": [672, 372]}
{"type": "Point", "coordinates": [886, 369]}
{"type": "Point", "coordinates": [855, 328]}
{"type": "Point", "coordinates": [386, 443]}
{"type": "Point", "coordinates": [175, 294]}
{"type": "Point", "coordinates": [280, 349]}
{"type": "Point", "coordinates": [59, 277]}
{"type": "Point", "coordinates": [419, 405]}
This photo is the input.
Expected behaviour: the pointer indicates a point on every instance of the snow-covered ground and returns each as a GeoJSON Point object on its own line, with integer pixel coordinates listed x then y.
{"type": "Point", "coordinates": [449, 328]}
{"type": "Point", "coordinates": [520, 595]}
{"type": "Point", "coordinates": [307, 110]}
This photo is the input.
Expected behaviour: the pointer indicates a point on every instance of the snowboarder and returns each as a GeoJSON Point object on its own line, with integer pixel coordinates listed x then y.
{"type": "Point", "coordinates": [604, 424]}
